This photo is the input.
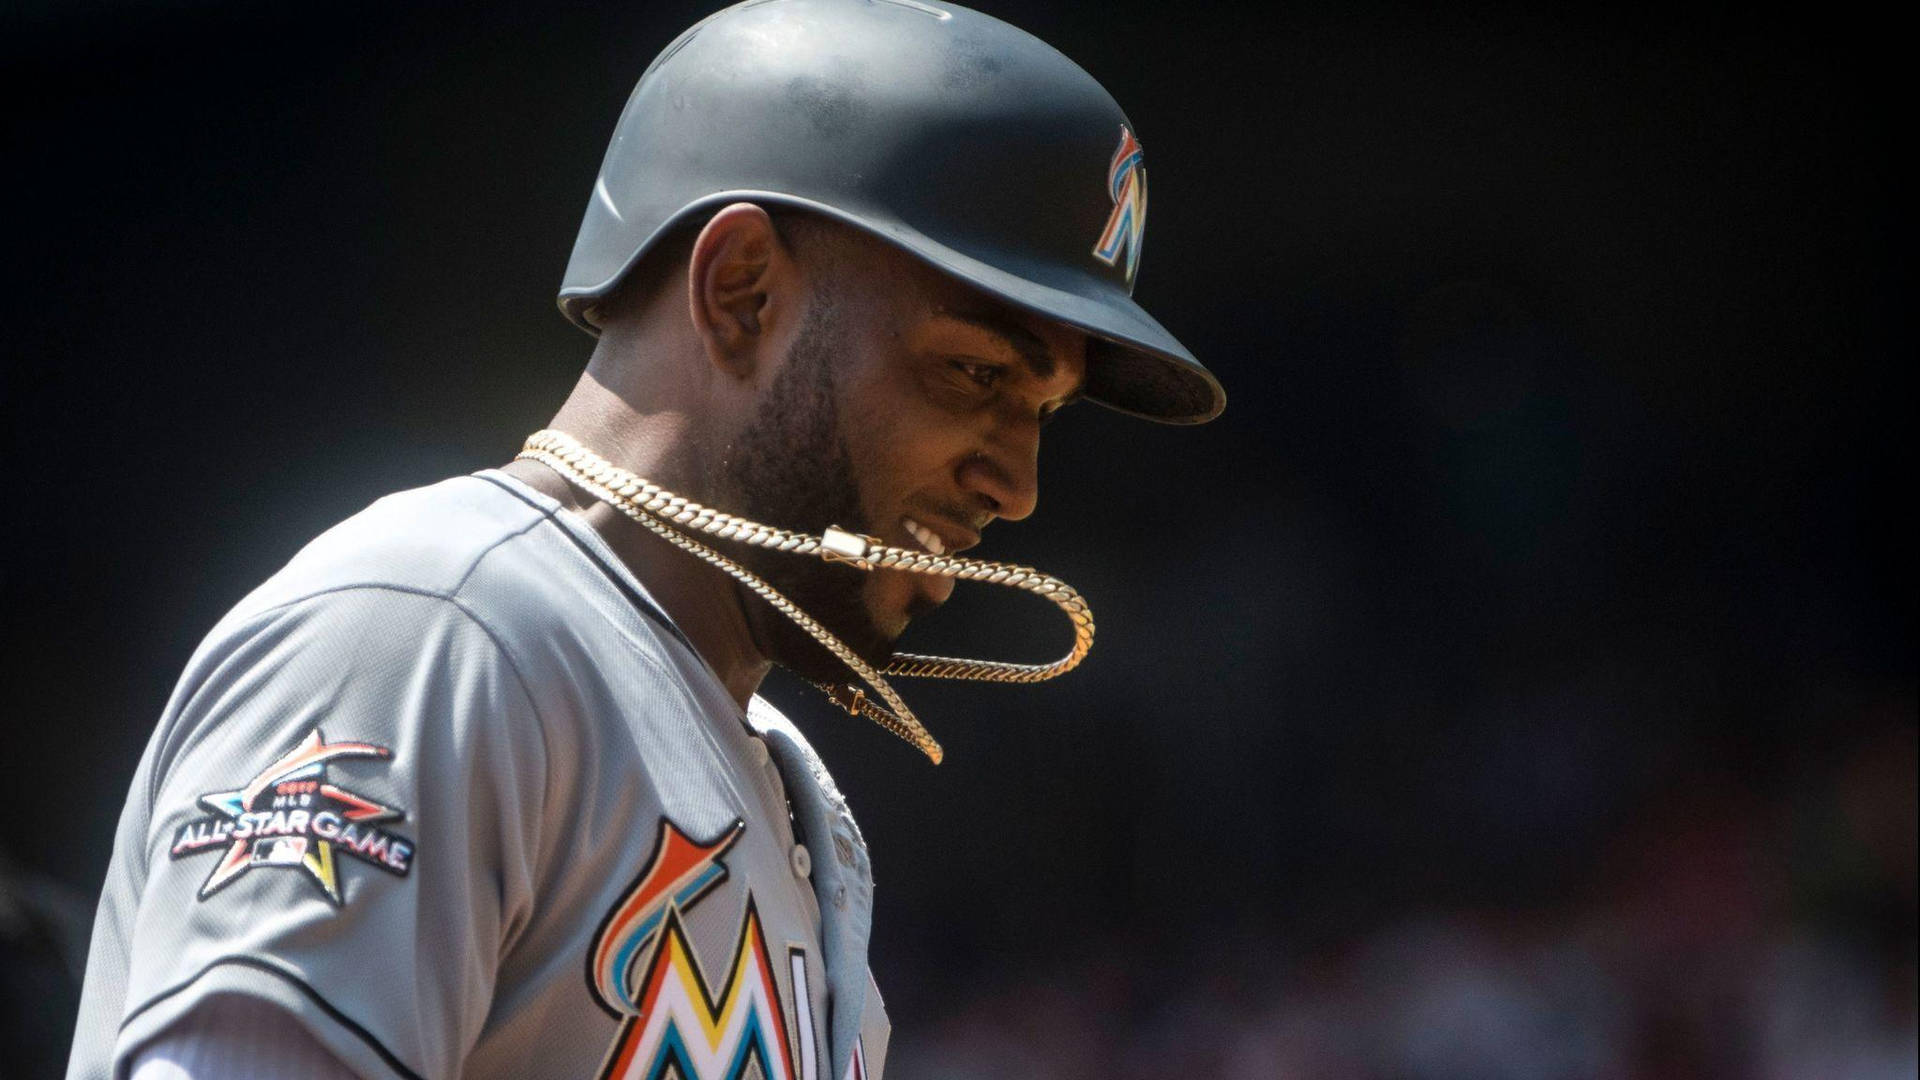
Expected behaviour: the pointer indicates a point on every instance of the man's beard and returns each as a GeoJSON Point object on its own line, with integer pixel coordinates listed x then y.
{"type": "Point", "coordinates": [790, 469]}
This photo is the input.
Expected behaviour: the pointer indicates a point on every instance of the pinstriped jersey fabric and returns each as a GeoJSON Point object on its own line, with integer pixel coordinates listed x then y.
{"type": "Point", "coordinates": [451, 791]}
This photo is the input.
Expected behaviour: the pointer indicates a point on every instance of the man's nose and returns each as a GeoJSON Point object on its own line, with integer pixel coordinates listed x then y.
{"type": "Point", "coordinates": [1006, 472]}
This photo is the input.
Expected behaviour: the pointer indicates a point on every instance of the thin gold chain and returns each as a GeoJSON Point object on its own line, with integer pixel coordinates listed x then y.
{"type": "Point", "coordinates": [666, 514]}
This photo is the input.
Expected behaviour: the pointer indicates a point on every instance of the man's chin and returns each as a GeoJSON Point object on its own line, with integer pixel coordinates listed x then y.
{"type": "Point", "coordinates": [924, 603]}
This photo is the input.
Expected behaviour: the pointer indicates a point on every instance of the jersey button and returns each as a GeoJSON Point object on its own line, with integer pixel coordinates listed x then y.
{"type": "Point", "coordinates": [802, 862]}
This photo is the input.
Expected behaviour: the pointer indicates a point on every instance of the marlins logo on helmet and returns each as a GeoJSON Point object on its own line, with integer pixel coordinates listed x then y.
{"type": "Point", "coordinates": [1127, 186]}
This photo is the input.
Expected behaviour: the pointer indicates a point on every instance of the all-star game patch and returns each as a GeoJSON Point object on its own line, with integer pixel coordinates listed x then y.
{"type": "Point", "coordinates": [290, 818]}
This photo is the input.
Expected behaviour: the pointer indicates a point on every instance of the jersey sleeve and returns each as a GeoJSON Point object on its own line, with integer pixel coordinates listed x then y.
{"type": "Point", "coordinates": [229, 1037]}
{"type": "Point", "coordinates": [345, 800]}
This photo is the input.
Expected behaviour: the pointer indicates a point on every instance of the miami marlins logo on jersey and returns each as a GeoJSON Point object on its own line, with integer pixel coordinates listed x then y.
{"type": "Point", "coordinates": [1127, 187]}
{"type": "Point", "coordinates": [290, 817]}
{"type": "Point", "coordinates": [643, 970]}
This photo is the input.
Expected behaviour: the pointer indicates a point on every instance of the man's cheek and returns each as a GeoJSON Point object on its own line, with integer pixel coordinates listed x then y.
{"type": "Point", "coordinates": [883, 451]}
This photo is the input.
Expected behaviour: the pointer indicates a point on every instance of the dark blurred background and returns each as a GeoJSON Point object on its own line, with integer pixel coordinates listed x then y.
{"type": "Point", "coordinates": [1517, 681]}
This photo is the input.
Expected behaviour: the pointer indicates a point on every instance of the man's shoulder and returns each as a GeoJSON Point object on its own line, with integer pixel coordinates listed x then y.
{"type": "Point", "coordinates": [426, 540]}
{"type": "Point", "coordinates": [484, 544]}
{"type": "Point", "coordinates": [482, 558]}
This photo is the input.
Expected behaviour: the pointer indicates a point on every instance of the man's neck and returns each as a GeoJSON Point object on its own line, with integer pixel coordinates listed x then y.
{"type": "Point", "coordinates": [699, 598]}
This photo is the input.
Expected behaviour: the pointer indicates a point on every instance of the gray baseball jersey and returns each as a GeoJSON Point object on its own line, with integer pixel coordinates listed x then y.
{"type": "Point", "coordinates": [454, 792]}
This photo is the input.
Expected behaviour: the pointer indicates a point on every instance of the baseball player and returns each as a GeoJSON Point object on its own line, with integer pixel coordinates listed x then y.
{"type": "Point", "coordinates": [478, 784]}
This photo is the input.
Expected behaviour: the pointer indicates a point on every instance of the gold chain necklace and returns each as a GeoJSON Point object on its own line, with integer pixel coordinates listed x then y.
{"type": "Point", "coordinates": [661, 511]}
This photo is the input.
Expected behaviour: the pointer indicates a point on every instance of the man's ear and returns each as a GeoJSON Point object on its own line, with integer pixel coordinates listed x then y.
{"type": "Point", "coordinates": [741, 281]}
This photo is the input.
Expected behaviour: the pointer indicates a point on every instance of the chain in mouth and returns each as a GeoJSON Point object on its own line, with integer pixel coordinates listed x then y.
{"type": "Point", "coordinates": [667, 515]}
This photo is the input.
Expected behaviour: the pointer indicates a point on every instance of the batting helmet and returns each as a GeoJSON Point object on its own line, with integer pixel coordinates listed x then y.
{"type": "Point", "coordinates": [965, 141]}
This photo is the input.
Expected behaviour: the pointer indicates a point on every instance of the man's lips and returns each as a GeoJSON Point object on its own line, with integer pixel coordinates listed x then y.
{"type": "Point", "coordinates": [939, 537]}
{"type": "Point", "coordinates": [936, 537]}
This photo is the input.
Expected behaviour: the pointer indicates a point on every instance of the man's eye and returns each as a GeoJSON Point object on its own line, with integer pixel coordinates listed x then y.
{"type": "Point", "coordinates": [984, 374]}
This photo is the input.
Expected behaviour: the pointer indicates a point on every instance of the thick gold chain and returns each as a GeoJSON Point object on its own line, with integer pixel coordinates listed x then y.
{"type": "Point", "coordinates": [667, 514]}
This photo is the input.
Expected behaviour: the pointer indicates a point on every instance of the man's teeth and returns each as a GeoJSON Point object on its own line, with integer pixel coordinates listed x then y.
{"type": "Point", "coordinates": [926, 536]}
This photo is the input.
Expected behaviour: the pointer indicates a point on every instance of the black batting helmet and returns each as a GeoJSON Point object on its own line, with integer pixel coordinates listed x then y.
{"type": "Point", "coordinates": [963, 140]}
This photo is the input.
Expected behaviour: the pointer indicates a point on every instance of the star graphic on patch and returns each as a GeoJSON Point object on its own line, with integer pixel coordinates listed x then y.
{"type": "Point", "coordinates": [290, 817]}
